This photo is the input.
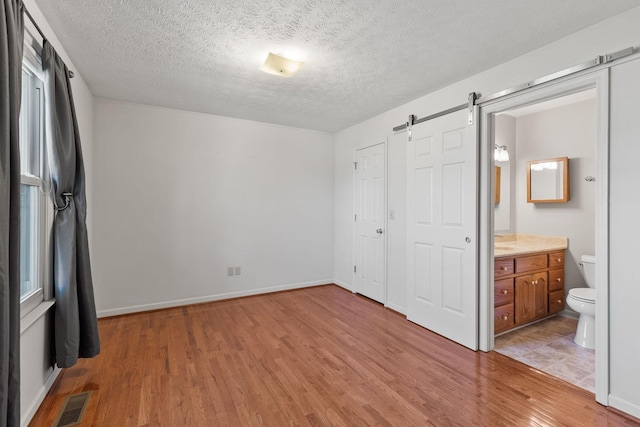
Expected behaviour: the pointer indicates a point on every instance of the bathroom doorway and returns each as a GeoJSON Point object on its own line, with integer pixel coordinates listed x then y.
{"type": "Point", "coordinates": [564, 119]}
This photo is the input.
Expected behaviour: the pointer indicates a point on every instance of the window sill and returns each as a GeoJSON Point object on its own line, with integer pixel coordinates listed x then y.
{"type": "Point", "coordinates": [32, 317]}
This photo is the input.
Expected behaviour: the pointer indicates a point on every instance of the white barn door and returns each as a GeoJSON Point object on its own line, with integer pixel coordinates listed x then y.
{"type": "Point", "coordinates": [442, 211]}
{"type": "Point", "coordinates": [370, 264]}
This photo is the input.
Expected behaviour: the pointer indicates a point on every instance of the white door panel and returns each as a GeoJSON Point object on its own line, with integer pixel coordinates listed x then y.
{"type": "Point", "coordinates": [442, 227]}
{"type": "Point", "coordinates": [370, 209]}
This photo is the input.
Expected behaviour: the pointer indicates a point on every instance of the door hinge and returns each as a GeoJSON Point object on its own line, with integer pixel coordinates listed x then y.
{"type": "Point", "coordinates": [355, 165]}
{"type": "Point", "coordinates": [354, 269]}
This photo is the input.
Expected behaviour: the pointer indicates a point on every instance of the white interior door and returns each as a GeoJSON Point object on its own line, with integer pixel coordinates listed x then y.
{"type": "Point", "coordinates": [370, 184]}
{"type": "Point", "coordinates": [442, 183]}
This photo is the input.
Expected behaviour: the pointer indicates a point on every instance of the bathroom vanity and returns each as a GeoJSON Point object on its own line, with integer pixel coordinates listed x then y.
{"type": "Point", "coordinates": [529, 280]}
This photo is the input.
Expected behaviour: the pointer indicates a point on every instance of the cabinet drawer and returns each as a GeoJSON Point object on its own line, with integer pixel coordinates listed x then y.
{"type": "Point", "coordinates": [556, 301]}
{"type": "Point", "coordinates": [531, 263]}
{"type": "Point", "coordinates": [503, 291]}
{"type": "Point", "coordinates": [503, 318]}
{"type": "Point", "coordinates": [556, 280]}
{"type": "Point", "coordinates": [503, 267]}
{"type": "Point", "coordinates": [556, 260]}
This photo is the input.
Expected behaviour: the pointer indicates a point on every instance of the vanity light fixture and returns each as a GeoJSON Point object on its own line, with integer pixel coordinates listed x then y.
{"type": "Point", "coordinates": [544, 166]}
{"type": "Point", "coordinates": [280, 66]}
{"type": "Point", "coordinates": [500, 154]}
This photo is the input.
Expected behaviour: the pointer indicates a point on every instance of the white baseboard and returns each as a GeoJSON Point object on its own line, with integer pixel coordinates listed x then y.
{"type": "Point", "coordinates": [343, 285]}
{"type": "Point", "coordinates": [632, 409]}
{"type": "Point", "coordinates": [395, 307]}
{"type": "Point", "coordinates": [42, 393]}
{"type": "Point", "coordinates": [206, 298]}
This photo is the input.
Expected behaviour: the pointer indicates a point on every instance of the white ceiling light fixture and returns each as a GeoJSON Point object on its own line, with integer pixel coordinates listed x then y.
{"type": "Point", "coordinates": [281, 66]}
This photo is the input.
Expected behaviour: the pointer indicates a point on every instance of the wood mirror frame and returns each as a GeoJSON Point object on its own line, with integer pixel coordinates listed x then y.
{"type": "Point", "coordinates": [496, 180]}
{"type": "Point", "coordinates": [549, 182]}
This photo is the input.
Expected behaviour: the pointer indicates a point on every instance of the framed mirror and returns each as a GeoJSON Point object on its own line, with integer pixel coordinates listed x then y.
{"type": "Point", "coordinates": [548, 181]}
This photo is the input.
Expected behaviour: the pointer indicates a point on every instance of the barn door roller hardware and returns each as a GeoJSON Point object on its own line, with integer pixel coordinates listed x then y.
{"type": "Point", "coordinates": [440, 114]}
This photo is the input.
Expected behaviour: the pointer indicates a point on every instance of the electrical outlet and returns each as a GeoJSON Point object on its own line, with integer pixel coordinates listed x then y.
{"type": "Point", "coordinates": [229, 271]}
{"type": "Point", "coordinates": [237, 271]}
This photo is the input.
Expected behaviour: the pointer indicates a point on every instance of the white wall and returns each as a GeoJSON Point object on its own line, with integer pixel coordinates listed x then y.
{"type": "Point", "coordinates": [568, 131]}
{"type": "Point", "coordinates": [397, 227]}
{"type": "Point", "coordinates": [624, 205]}
{"type": "Point", "coordinates": [608, 36]}
{"type": "Point", "coordinates": [37, 373]}
{"type": "Point", "coordinates": [181, 196]}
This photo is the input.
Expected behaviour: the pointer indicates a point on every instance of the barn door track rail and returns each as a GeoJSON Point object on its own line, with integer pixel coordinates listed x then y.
{"type": "Point", "coordinates": [476, 98]}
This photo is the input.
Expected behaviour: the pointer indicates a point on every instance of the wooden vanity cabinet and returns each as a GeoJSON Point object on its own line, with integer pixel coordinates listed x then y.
{"type": "Point", "coordinates": [527, 288]}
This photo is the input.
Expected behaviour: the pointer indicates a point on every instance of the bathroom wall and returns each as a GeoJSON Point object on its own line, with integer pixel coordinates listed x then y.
{"type": "Point", "coordinates": [568, 131]}
{"type": "Point", "coordinates": [504, 212]}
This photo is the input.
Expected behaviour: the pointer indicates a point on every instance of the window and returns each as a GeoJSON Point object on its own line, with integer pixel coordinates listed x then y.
{"type": "Point", "coordinates": [33, 202]}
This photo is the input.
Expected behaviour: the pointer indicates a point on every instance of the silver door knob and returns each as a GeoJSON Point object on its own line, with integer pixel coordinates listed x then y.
{"type": "Point", "coordinates": [379, 231]}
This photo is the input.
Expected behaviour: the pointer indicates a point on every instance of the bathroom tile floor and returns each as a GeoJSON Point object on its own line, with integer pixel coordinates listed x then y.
{"type": "Point", "coordinates": [549, 347]}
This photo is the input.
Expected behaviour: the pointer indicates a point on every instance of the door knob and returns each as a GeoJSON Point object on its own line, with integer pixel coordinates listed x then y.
{"type": "Point", "coordinates": [379, 231]}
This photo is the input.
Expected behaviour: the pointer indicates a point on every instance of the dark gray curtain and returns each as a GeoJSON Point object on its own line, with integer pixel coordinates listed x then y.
{"type": "Point", "coordinates": [11, 39]}
{"type": "Point", "coordinates": [76, 326]}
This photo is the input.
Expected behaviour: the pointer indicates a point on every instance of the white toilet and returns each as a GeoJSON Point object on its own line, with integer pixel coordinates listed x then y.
{"type": "Point", "coordinates": [583, 300]}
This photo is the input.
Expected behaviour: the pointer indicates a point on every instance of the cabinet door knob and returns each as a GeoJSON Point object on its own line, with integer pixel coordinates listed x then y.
{"type": "Point", "coordinates": [558, 279]}
{"type": "Point", "coordinates": [504, 291]}
{"type": "Point", "coordinates": [559, 301]}
{"type": "Point", "coordinates": [559, 260]}
{"type": "Point", "coordinates": [534, 282]}
{"type": "Point", "coordinates": [504, 268]}
{"type": "Point", "coordinates": [505, 316]}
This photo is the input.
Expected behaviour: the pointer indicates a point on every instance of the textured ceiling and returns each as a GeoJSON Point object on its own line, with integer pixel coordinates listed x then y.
{"type": "Point", "coordinates": [362, 57]}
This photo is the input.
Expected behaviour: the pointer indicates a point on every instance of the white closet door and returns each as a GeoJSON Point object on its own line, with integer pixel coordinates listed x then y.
{"type": "Point", "coordinates": [370, 262]}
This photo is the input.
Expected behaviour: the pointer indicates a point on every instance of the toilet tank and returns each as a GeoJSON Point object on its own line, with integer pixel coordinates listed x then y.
{"type": "Point", "coordinates": [589, 269]}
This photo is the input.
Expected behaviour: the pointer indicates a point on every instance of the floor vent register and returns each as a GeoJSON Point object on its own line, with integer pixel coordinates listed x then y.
{"type": "Point", "coordinates": [73, 410]}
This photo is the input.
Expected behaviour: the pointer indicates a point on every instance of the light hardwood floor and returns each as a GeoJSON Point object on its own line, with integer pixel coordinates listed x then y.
{"type": "Point", "coordinates": [319, 356]}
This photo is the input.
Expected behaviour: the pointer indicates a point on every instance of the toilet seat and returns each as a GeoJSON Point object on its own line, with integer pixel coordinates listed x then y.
{"type": "Point", "coordinates": [586, 295]}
